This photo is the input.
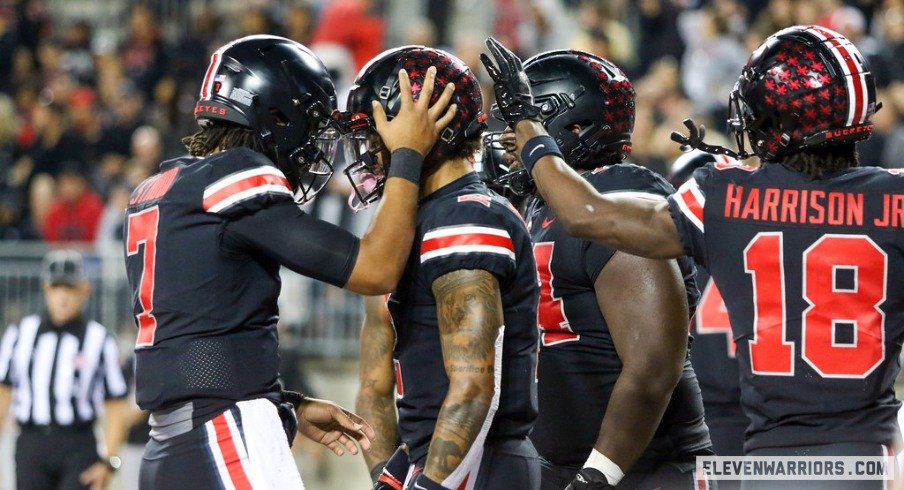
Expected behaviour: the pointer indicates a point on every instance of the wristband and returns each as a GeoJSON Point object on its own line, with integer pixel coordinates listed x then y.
{"type": "Point", "coordinates": [537, 148]}
{"type": "Point", "coordinates": [606, 466]}
{"type": "Point", "coordinates": [406, 163]}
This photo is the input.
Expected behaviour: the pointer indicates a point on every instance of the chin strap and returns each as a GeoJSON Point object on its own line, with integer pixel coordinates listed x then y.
{"type": "Point", "coordinates": [694, 141]}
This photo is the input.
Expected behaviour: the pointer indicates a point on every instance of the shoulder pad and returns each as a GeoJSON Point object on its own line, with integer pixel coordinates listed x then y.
{"type": "Point", "coordinates": [242, 181]}
{"type": "Point", "coordinates": [627, 177]}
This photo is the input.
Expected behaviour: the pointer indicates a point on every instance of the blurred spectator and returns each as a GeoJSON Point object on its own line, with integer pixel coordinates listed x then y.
{"type": "Point", "coordinates": [54, 143]}
{"type": "Point", "coordinates": [254, 21]}
{"type": "Point", "coordinates": [147, 153]}
{"type": "Point", "coordinates": [300, 22]}
{"type": "Point", "coordinates": [602, 29]}
{"type": "Point", "coordinates": [143, 53]}
{"type": "Point", "coordinates": [75, 213]}
{"type": "Point", "coordinates": [354, 24]}
{"type": "Point", "coordinates": [712, 62]}
{"type": "Point", "coordinates": [110, 228]}
{"type": "Point", "coordinates": [78, 60]}
{"type": "Point", "coordinates": [421, 32]}
{"type": "Point", "coordinates": [659, 36]}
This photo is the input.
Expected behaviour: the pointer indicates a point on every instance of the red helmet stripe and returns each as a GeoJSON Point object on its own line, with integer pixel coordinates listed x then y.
{"type": "Point", "coordinates": [208, 77]}
{"type": "Point", "coordinates": [856, 81]}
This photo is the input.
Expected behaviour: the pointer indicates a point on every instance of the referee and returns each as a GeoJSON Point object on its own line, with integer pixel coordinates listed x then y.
{"type": "Point", "coordinates": [58, 369]}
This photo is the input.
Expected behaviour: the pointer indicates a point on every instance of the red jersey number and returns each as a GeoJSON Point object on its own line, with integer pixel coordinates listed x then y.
{"type": "Point", "coordinates": [554, 326]}
{"type": "Point", "coordinates": [712, 316]}
{"type": "Point", "coordinates": [831, 306]}
{"type": "Point", "coordinates": [142, 230]}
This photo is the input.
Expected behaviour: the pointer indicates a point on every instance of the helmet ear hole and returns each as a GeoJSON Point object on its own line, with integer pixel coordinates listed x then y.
{"type": "Point", "coordinates": [280, 118]}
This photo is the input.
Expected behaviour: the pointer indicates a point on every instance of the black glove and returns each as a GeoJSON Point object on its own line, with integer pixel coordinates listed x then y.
{"type": "Point", "coordinates": [510, 83]}
{"type": "Point", "coordinates": [589, 479]}
{"type": "Point", "coordinates": [391, 474]}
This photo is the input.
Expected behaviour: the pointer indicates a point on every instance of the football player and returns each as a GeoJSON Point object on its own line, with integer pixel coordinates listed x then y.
{"type": "Point", "coordinates": [459, 340]}
{"type": "Point", "coordinates": [205, 239]}
{"type": "Point", "coordinates": [809, 245]}
{"type": "Point", "coordinates": [615, 381]}
{"type": "Point", "coordinates": [713, 354]}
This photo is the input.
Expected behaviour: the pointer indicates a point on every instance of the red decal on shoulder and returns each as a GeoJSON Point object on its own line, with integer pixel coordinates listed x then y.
{"type": "Point", "coordinates": [724, 162]}
{"type": "Point", "coordinates": [598, 170]}
{"type": "Point", "coordinates": [478, 198]}
{"type": "Point", "coordinates": [895, 171]}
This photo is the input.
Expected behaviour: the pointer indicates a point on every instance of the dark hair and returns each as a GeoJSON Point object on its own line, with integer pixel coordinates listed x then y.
{"type": "Point", "coordinates": [822, 161]}
{"type": "Point", "coordinates": [464, 149]}
{"type": "Point", "coordinates": [221, 136]}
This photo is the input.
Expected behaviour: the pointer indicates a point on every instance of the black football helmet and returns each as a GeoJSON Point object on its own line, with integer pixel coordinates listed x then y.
{"type": "Point", "coordinates": [378, 80]}
{"type": "Point", "coordinates": [573, 90]}
{"type": "Point", "coordinates": [282, 91]}
{"type": "Point", "coordinates": [804, 87]}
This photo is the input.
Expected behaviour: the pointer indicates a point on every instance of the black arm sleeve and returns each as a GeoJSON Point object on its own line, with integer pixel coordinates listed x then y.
{"type": "Point", "coordinates": [296, 240]}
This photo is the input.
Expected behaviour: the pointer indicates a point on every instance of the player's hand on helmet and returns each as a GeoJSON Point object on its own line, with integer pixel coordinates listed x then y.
{"type": "Point", "coordinates": [589, 479]}
{"type": "Point", "coordinates": [333, 426]}
{"type": "Point", "coordinates": [510, 83]}
{"type": "Point", "coordinates": [391, 474]}
{"type": "Point", "coordinates": [418, 124]}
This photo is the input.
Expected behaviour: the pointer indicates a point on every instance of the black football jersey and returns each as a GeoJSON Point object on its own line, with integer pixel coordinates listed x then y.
{"type": "Point", "coordinates": [812, 274]}
{"type": "Point", "coordinates": [207, 312]}
{"type": "Point", "coordinates": [713, 351]}
{"type": "Point", "coordinates": [464, 225]}
{"type": "Point", "coordinates": [578, 364]}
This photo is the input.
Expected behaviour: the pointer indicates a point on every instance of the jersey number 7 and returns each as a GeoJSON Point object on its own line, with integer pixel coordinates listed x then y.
{"type": "Point", "coordinates": [142, 230]}
{"type": "Point", "coordinates": [853, 307]}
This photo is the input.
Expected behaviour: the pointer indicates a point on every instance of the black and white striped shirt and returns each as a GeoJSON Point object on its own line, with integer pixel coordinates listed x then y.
{"type": "Point", "coordinates": [60, 375]}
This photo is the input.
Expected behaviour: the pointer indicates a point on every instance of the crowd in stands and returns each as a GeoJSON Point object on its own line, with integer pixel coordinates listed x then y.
{"type": "Point", "coordinates": [82, 122]}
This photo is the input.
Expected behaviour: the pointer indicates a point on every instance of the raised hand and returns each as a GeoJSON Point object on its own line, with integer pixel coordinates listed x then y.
{"type": "Point", "coordinates": [333, 426]}
{"type": "Point", "coordinates": [510, 83]}
{"type": "Point", "coordinates": [418, 124]}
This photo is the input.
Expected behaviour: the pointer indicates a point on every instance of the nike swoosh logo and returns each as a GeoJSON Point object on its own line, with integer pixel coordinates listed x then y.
{"type": "Point", "coordinates": [535, 149]}
{"type": "Point", "coordinates": [547, 222]}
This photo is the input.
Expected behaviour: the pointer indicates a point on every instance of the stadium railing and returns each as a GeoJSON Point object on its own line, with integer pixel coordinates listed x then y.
{"type": "Point", "coordinates": [316, 320]}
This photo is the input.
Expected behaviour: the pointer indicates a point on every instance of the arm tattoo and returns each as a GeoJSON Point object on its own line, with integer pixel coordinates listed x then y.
{"type": "Point", "coordinates": [469, 311]}
{"type": "Point", "coordinates": [376, 402]}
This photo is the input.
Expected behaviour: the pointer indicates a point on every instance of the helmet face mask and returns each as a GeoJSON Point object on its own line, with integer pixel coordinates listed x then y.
{"type": "Point", "coordinates": [367, 158]}
{"type": "Point", "coordinates": [499, 172]}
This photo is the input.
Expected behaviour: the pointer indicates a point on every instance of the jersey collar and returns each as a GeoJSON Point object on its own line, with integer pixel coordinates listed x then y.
{"type": "Point", "coordinates": [469, 178]}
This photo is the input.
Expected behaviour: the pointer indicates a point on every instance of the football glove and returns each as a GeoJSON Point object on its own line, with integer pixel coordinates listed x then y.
{"type": "Point", "coordinates": [392, 474]}
{"type": "Point", "coordinates": [589, 479]}
{"type": "Point", "coordinates": [510, 83]}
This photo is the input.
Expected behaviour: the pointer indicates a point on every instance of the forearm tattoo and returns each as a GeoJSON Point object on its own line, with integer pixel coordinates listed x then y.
{"type": "Point", "coordinates": [469, 311]}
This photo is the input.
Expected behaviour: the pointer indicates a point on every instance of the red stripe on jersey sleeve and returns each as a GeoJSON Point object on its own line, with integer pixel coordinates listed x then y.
{"type": "Point", "coordinates": [244, 185]}
{"type": "Point", "coordinates": [486, 239]}
{"type": "Point", "coordinates": [690, 200]}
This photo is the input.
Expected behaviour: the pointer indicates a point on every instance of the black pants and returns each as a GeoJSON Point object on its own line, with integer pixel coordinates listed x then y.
{"type": "Point", "coordinates": [509, 464]}
{"type": "Point", "coordinates": [673, 474]}
{"type": "Point", "coordinates": [52, 458]}
{"type": "Point", "coordinates": [727, 434]}
{"type": "Point", "coordinates": [837, 449]}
